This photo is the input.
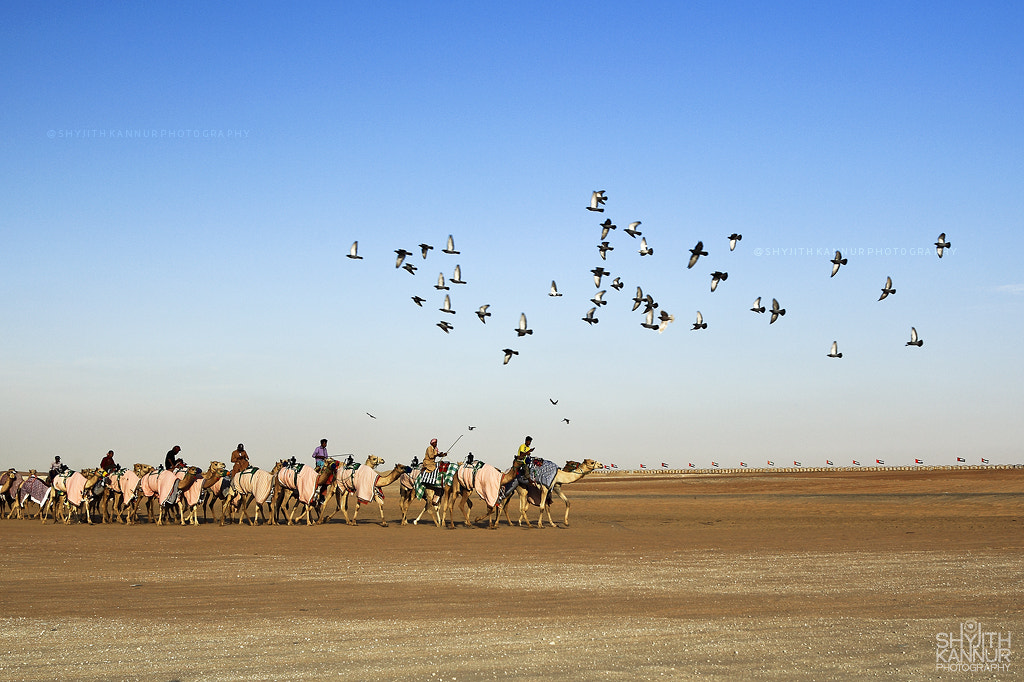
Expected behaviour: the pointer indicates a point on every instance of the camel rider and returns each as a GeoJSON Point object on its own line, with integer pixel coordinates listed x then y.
{"type": "Point", "coordinates": [172, 460]}
{"type": "Point", "coordinates": [431, 454]}
{"type": "Point", "coordinates": [240, 460]}
{"type": "Point", "coordinates": [320, 454]}
{"type": "Point", "coordinates": [524, 453]}
{"type": "Point", "coordinates": [107, 463]}
{"type": "Point", "coordinates": [54, 470]}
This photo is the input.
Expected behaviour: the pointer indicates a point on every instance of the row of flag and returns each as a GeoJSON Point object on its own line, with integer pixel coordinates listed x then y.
{"type": "Point", "coordinates": [795, 463]}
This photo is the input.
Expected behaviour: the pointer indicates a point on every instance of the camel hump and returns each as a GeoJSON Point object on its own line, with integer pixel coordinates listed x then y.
{"type": "Point", "coordinates": [571, 466]}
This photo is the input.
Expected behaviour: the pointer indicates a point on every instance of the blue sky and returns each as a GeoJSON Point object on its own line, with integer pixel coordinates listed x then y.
{"type": "Point", "coordinates": [183, 182]}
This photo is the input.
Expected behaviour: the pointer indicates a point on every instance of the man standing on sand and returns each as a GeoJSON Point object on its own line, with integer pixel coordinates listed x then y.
{"type": "Point", "coordinates": [240, 460]}
{"type": "Point", "coordinates": [107, 463]}
{"type": "Point", "coordinates": [320, 454]}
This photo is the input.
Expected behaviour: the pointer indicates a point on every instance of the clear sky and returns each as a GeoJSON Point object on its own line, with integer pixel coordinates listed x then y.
{"type": "Point", "coordinates": [182, 182]}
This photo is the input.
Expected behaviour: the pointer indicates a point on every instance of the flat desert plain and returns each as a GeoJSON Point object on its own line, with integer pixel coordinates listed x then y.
{"type": "Point", "coordinates": [817, 576]}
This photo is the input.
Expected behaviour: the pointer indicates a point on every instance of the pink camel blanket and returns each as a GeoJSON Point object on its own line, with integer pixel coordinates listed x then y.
{"type": "Point", "coordinates": [166, 484]}
{"type": "Point", "coordinates": [150, 484]}
{"type": "Point", "coordinates": [365, 480]}
{"type": "Point", "coordinates": [126, 483]}
{"type": "Point", "coordinates": [193, 492]}
{"type": "Point", "coordinates": [487, 482]}
{"type": "Point", "coordinates": [255, 482]}
{"type": "Point", "coordinates": [407, 482]}
{"type": "Point", "coordinates": [303, 482]}
{"type": "Point", "coordinates": [71, 484]}
{"type": "Point", "coordinates": [35, 489]}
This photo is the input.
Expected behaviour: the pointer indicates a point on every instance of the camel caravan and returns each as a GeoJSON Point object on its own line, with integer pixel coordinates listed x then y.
{"type": "Point", "coordinates": [292, 493]}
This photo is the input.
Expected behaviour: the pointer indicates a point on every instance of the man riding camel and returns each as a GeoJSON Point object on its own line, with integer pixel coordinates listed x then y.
{"type": "Point", "coordinates": [431, 454]}
{"type": "Point", "coordinates": [240, 460]}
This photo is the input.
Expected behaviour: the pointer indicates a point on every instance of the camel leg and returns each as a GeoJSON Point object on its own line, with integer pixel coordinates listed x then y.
{"type": "Point", "coordinates": [383, 521]}
{"type": "Point", "coordinates": [563, 498]}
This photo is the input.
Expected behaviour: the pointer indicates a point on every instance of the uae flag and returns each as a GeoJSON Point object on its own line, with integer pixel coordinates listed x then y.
{"type": "Point", "coordinates": [878, 461]}
{"type": "Point", "coordinates": [664, 465]}
{"type": "Point", "coordinates": [615, 466]}
{"type": "Point", "coordinates": [743, 464]}
{"type": "Point", "coordinates": [829, 462]}
{"type": "Point", "coordinates": [771, 463]}
{"type": "Point", "coordinates": [856, 463]}
{"type": "Point", "coordinates": [918, 461]}
{"type": "Point", "coordinates": [714, 464]}
{"type": "Point", "coordinates": [643, 466]}
{"type": "Point", "coordinates": [960, 459]}
{"type": "Point", "coordinates": [796, 464]}
{"type": "Point", "coordinates": [691, 465]}
{"type": "Point", "coordinates": [984, 461]}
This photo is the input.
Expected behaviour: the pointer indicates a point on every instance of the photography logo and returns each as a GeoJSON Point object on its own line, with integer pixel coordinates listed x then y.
{"type": "Point", "coordinates": [971, 649]}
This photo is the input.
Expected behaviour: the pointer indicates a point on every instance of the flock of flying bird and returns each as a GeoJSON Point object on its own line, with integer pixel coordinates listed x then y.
{"type": "Point", "coordinates": [657, 323]}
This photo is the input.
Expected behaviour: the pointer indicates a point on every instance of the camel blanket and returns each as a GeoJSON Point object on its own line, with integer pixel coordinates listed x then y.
{"type": "Point", "coordinates": [255, 482]}
{"type": "Point", "coordinates": [35, 489]}
{"type": "Point", "coordinates": [126, 482]}
{"type": "Point", "coordinates": [438, 478]}
{"type": "Point", "coordinates": [71, 484]}
{"type": "Point", "coordinates": [12, 491]}
{"type": "Point", "coordinates": [365, 480]}
{"type": "Point", "coordinates": [301, 479]}
{"type": "Point", "coordinates": [150, 483]}
{"type": "Point", "coordinates": [193, 492]}
{"type": "Point", "coordinates": [406, 481]}
{"type": "Point", "coordinates": [541, 472]}
{"type": "Point", "coordinates": [167, 486]}
{"type": "Point", "coordinates": [482, 478]}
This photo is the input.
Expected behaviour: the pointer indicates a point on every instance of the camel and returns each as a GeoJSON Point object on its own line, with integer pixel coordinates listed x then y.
{"type": "Point", "coordinates": [248, 485]}
{"type": "Point", "coordinates": [305, 483]}
{"type": "Point", "coordinates": [77, 489]}
{"type": "Point", "coordinates": [35, 489]}
{"type": "Point", "coordinates": [487, 482]}
{"type": "Point", "coordinates": [160, 484]}
{"type": "Point", "coordinates": [10, 484]}
{"type": "Point", "coordinates": [122, 490]}
{"type": "Point", "coordinates": [433, 482]}
{"type": "Point", "coordinates": [191, 496]}
{"type": "Point", "coordinates": [366, 483]}
{"type": "Point", "coordinates": [562, 477]}
{"type": "Point", "coordinates": [217, 491]}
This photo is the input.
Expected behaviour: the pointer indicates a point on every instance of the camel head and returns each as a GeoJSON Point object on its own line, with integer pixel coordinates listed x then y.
{"type": "Point", "coordinates": [590, 465]}
{"type": "Point", "coordinates": [278, 466]}
{"type": "Point", "coordinates": [142, 469]}
{"type": "Point", "coordinates": [373, 461]}
{"type": "Point", "coordinates": [93, 476]}
{"type": "Point", "coordinates": [216, 468]}
{"type": "Point", "coordinates": [33, 473]}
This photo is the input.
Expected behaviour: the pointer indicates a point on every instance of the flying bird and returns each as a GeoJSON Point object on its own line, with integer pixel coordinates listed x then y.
{"type": "Point", "coordinates": [508, 354]}
{"type": "Point", "coordinates": [450, 248]}
{"type": "Point", "coordinates": [665, 318]}
{"type": "Point", "coordinates": [589, 317]}
{"type": "Point", "coordinates": [352, 252]}
{"type": "Point", "coordinates": [418, 300]}
{"type": "Point", "coordinates": [597, 199]}
{"type": "Point", "coordinates": [483, 314]}
{"type": "Point", "coordinates": [632, 231]}
{"type": "Point", "coordinates": [604, 248]}
{"type": "Point", "coordinates": [638, 299]}
{"type": "Point", "coordinates": [445, 327]}
{"type": "Point", "coordinates": [649, 303]}
{"type": "Point", "coordinates": [695, 253]}
{"type": "Point", "coordinates": [648, 322]}
{"type": "Point", "coordinates": [700, 323]}
{"type": "Point", "coordinates": [733, 238]}
{"type": "Point", "coordinates": [599, 272]}
{"type": "Point", "coordinates": [521, 330]}
{"type": "Point", "coordinates": [370, 415]}
{"type": "Point", "coordinates": [914, 341]}
{"type": "Point", "coordinates": [554, 289]}
{"type": "Point", "coordinates": [457, 276]}
{"type": "Point", "coordinates": [552, 401]}
{"type": "Point", "coordinates": [440, 286]}
{"type": "Point", "coordinates": [836, 262]}
{"type": "Point", "coordinates": [598, 299]}
{"type": "Point", "coordinates": [776, 311]}
{"type": "Point", "coordinates": [402, 253]}
{"type": "Point", "coordinates": [834, 352]}
{"type": "Point", "coordinates": [617, 284]}
{"type": "Point", "coordinates": [717, 277]}
{"type": "Point", "coordinates": [942, 244]}
{"type": "Point", "coordinates": [605, 226]}
{"type": "Point", "coordinates": [447, 307]}
{"type": "Point", "coordinates": [565, 419]}
{"type": "Point", "coordinates": [470, 427]}
{"type": "Point", "coordinates": [644, 250]}
{"type": "Point", "coordinates": [410, 268]}
{"type": "Point", "coordinates": [758, 308]}
{"type": "Point", "coordinates": [424, 248]}
{"type": "Point", "coordinates": [887, 289]}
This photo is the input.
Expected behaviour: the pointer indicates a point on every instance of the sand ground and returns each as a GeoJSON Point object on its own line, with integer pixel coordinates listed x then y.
{"type": "Point", "coordinates": [789, 576]}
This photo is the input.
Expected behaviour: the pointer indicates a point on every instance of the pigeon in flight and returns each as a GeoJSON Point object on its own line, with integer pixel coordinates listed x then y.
{"type": "Point", "coordinates": [402, 253]}
{"type": "Point", "coordinates": [887, 289]}
{"type": "Point", "coordinates": [597, 199]}
{"type": "Point", "coordinates": [565, 419]}
{"type": "Point", "coordinates": [440, 286]}
{"type": "Point", "coordinates": [483, 314]}
{"type": "Point", "coordinates": [644, 250]}
{"type": "Point", "coordinates": [758, 308]}
{"type": "Point", "coordinates": [589, 317]}
{"type": "Point", "coordinates": [836, 262]}
{"type": "Point", "coordinates": [457, 276]}
{"type": "Point", "coordinates": [700, 323]}
{"type": "Point", "coordinates": [914, 341]}
{"type": "Point", "coordinates": [598, 299]}
{"type": "Point", "coordinates": [717, 277]}
{"type": "Point", "coordinates": [370, 415]}
{"type": "Point", "coordinates": [834, 352]}
{"type": "Point", "coordinates": [604, 248]}
{"type": "Point", "coordinates": [418, 300]}
{"type": "Point", "coordinates": [521, 330]}
{"type": "Point", "coordinates": [648, 322]}
{"type": "Point", "coordinates": [352, 252]}
{"type": "Point", "coordinates": [599, 272]}
{"type": "Point", "coordinates": [632, 231]}
{"type": "Point", "coordinates": [942, 244]}
{"type": "Point", "coordinates": [605, 227]}
{"type": "Point", "coordinates": [695, 253]}
{"type": "Point", "coordinates": [649, 303]}
{"type": "Point", "coordinates": [445, 327]}
{"type": "Point", "coordinates": [776, 311]}
{"type": "Point", "coordinates": [424, 248]}
{"type": "Point", "coordinates": [410, 268]}
{"type": "Point", "coordinates": [638, 299]}
{"type": "Point", "coordinates": [733, 238]}
{"type": "Point", "coordinates": [617, 284]}
{"type": "Point", "coordinates": [470, 427]}
{"type": "Point", "coordinates": [554, 289]}
{"type": "Point", "coordinates": [447, 307]}
{"type": "Point", "coordinates": [664, 318]}
{"type": "Point", "coordinates": [451, 247]}
{"type": "Point", "coordinates": [552, 401]}
{"type": "Point", "coordinates": [508, 354]}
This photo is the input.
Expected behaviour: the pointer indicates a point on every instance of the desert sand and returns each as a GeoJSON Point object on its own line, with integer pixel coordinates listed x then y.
{"type": "Point", "coordinates": [816, 576]}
